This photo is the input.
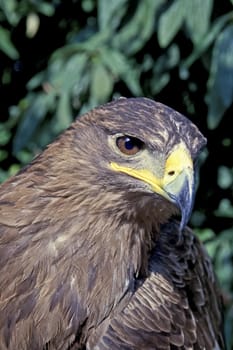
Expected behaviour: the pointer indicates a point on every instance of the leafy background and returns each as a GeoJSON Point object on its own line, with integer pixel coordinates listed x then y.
{"type": "Point", "coordinates": [61, 58]}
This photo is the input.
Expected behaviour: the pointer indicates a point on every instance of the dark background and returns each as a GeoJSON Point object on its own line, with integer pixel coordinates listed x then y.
{"type": "Point", "coordinates": [61, 58]}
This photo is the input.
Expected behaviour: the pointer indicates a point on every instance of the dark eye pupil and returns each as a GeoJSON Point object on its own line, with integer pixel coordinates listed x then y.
{"type": "Point", "coordinates": [129, 143]}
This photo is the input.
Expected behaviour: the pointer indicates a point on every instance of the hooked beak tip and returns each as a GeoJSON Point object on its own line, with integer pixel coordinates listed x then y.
{"type": "Point", "coordinates": [184, 199]}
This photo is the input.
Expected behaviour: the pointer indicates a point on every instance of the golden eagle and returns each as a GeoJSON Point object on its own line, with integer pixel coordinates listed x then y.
{"type": "Point", "coordinates": [91, 255]}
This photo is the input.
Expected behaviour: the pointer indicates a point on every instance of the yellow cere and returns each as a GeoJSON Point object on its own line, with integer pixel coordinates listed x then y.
{"type": "Point", "coordinates": [177, 167]}
{"type": "Point", "coordinates": [178, 161]}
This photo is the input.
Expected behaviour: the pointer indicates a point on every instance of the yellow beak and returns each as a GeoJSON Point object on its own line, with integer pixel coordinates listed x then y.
{"type": "Point", "coordinates": [176, 184]}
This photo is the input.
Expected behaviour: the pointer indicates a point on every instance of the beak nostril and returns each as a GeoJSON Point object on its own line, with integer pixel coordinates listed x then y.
{"type": "Point", "coordinates": [171, 173]}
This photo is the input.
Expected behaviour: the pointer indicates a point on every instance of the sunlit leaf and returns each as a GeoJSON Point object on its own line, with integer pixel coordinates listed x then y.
{"type": "Point", "coordinates": [220, 84]}
{"type": "Point", "coordinates": [32, 25]}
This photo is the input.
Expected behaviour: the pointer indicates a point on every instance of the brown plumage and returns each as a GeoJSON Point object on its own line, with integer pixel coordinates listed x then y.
{"type": "Point", "coordinates": [91, 256]}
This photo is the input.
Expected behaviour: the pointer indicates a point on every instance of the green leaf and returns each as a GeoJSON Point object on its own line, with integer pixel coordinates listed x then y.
{"type": "Point", "coordinates": [80, 90]}
{"type": "Point", "coordinates": [197, 18]}
{"type": "Point", "coordinates": [45, 8]}
{"type": "Point", "coordinates": [223, 258]}
{"type": "Point", "coordinates": [122, 68]}
{"type": "Point", "coordinates": [220, 84]}
{"type": "Point", "coordinates": [5, 134]}
{"type": "Point", "coordinates": [67, 81]}
{"type": "Point", "coordinates": [225, 209]}
{"type": "Point", "coordinates": [3, 175]}
{"type": "Point", "coordinates": [9, 8]}
{"type": "Point", "coordinates": [36, 81]}
{"type": "Point", "coordinates": [89, 46]}
{"type": "Point", "coordinates": [52, 74]}
{"type": "Point", "coordinates": [205, 235]}
{"type": "Point", "coordinates": [25, 156]}
{"type": "Point", "coordinates": [39, 105]}
{"type": "Point", "coordinates": [63, 113]}
{"type": "Point", "coordinates": [3, 154]}
{"type": "Point", "coordinates": [170, 22]}
{"type": "Point", "coordinates": [208, 39]}
{"type": "Point", "coordinates": [110, 13]}
{"type": "Point", "coordinates": [225, 177]}
{"type": "Point", "coordinates": [101, 83]}
{"type": "Point", "coordinates": [73, 70]}
{"type": "Point", "coordinates": [136, 32]}
{"type": "Point", "coordinates": [88, 5]}
{"type": "Point", "coordinates": [14, 168]}
{"type": "Point", "coordinates": [162, 66]}
{"type": "Point", "coordinates": [62, 74]}
{"type": "Point", "coordinates": [6, 45]}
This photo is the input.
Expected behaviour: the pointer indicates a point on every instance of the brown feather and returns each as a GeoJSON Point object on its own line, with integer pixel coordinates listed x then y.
{"type": "Point", "coordinates": [83, 259]}
{"type": "Point", "coordinates": [167, 311]}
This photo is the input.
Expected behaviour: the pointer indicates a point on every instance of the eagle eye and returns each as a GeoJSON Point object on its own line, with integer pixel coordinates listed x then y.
{"type": "Point", "coordinates": [129, 145]}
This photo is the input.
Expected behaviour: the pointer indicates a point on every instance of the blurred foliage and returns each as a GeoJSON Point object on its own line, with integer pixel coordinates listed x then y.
{"type": "Point", "coordinates": [61, 58]}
